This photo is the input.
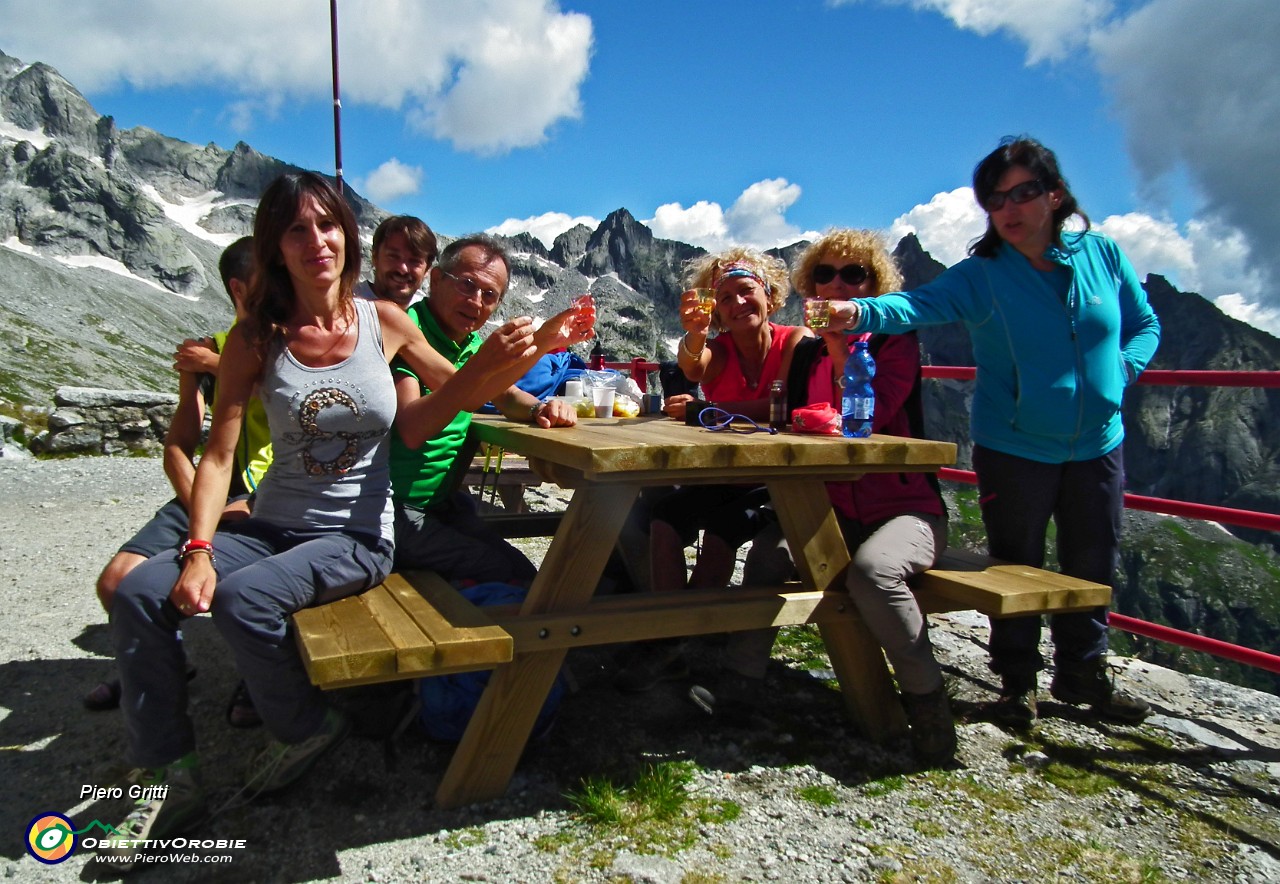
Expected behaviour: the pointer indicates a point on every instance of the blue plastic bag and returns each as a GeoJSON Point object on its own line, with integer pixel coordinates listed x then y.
{"type": "Point", "coordinates": [448, 701]}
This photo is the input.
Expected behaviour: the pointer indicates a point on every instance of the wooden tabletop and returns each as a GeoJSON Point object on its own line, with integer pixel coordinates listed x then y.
{"type": "Point", "coordinates": [651, 449]}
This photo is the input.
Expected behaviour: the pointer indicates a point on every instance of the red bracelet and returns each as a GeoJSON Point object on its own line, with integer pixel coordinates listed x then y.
{"type": "Point", "coordinates": [197, 546]}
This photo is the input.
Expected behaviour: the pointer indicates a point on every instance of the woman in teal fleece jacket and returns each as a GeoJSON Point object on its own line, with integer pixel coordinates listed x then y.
{"type": "Point", "coordinates": [1060, 327]}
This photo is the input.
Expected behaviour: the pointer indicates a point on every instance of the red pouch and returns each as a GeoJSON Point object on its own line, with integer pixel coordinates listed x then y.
{"type": "Point", "coordinates": [822, 420]}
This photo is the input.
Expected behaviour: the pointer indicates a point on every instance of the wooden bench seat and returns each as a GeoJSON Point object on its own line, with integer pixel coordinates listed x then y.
{"type": "Point", "coordinates": [415, 624]}
{"type": "Point", "coordinates": [410, 625]}
{"type": "Point", "coordinates": [969, 581]}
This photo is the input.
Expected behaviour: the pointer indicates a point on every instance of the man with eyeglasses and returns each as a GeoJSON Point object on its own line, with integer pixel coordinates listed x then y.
{"type": "Point", "coordinates": [436, 527]}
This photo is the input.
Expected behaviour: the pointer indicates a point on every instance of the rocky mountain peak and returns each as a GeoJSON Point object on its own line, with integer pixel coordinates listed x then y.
{"type": "Point", "coordinates": [36, 97]}
{"type": "Point", "coordinates": [570, 246]}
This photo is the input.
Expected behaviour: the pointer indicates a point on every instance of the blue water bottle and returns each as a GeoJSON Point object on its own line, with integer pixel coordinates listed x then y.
{"type": "Point", "coordinates": [857, 398]}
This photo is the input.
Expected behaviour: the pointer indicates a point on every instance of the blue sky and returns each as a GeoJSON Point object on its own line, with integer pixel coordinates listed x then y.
{"type": "Point", "coordinates": [743, 121]}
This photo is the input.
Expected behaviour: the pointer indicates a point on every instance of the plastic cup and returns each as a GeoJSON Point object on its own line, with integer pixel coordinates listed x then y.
{"type": "Point", "coordinates": [817, 313]}
{"type": "Point", "coordinates": [706, 300]}
{"type": "Point", "coordinates": [602, 398]}
{"type": "Point", "coordinates": [573, 390]}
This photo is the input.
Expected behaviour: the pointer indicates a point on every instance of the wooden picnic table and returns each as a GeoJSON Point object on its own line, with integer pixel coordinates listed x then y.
{"type": "Point", "coordinates": [606, 462]}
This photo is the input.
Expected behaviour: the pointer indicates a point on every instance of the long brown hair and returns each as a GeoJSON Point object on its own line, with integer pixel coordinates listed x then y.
{"type": "Point", "coordinates": [271, 298]}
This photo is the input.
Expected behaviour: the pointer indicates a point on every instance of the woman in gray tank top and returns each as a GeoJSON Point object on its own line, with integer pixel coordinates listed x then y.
{"type": "Point", "coordinates": [321, 525]}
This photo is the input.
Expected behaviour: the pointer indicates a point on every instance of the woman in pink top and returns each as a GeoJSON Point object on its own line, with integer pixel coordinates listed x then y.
{"type": "Point", "coordinates": [735, 370]}
{"type": "Point", "coordinates": [894, 523]}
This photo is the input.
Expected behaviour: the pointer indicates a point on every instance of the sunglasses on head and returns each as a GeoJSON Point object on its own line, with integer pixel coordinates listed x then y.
{"type": "Point", "coordinates": [850, 274]}
{"type": "Point", "coordinates": [1019, 193]}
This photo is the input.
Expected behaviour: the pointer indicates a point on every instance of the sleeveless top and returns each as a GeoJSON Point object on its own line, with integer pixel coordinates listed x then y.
{"type": "Point", "coordinates": [329, 432]}
{"type": "Point", "coordinates": [731, 386]}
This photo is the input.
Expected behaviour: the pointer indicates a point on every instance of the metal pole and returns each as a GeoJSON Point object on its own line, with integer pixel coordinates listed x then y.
{"type": "Point", "coordinates": [337, 101]}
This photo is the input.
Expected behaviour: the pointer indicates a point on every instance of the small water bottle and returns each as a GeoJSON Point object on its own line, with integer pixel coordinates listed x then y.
{"type": "Point", "coordinates": [777, 406]}
{"type": "Point", "coordinates": [857, 398]}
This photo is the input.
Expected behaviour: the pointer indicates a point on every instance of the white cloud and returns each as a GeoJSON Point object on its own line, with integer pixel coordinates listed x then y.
{"type": "Point", "coordinates": [945, 225]}
{"type": "Point", "coordinates": [1237, 307]}
{"type": "Point", "coordinates": [392, 180]}
{"type": "Point", "coordinates": [1198, 88]}
{"type": "Point", "coordinates": [545, 227]}
{"type": "Point", "coordinates": [1049, 28]}
{"type": "Point", "coordinates": [497, 77]}
{"type": "Point", "coordinates": [516, 83]}
{"type": "Point", "coordinates": [702, 224]}
{"type": "Point", "coordinates": [1207, 256]}
{"type": "Point", "coordinates": [1153, 246]}
{"type": "Point", "coordinates": [756, 218]}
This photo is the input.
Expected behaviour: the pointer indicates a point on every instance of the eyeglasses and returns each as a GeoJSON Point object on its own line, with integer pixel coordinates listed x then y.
{"type": "Point", "coordinates": [470, 288]}
{"type": "Point", "coordinates": [850, 274]}
{"type": "Point", "coordinates": [1019, 193]}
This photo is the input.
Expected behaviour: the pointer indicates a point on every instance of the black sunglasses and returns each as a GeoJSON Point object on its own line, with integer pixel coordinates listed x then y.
{"type": "Point", "coordinates": [1019, 193]}
{"type": "Point", "coordinates": [850, 274]}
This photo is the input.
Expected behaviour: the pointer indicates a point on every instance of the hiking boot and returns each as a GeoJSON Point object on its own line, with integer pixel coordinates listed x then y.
{"type": "Point", "coordinates": [1091, 685]}
{"type": "Point", "coordinates": [648, 664]}
{"type": "Point", "coordinates": [172, 802]}
{"type": "Point", "coordinates": [933, 731]}
{"type": "Point", "coordinates": [732, 698]}
{"type": "Point", "coordinates": [281, 764]}
{"type": "Point", "coordinates": [1016, 707]}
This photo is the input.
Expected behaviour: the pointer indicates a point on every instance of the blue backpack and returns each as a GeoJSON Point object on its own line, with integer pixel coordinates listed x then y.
{"type": "Point", "coordinates": [448, 701]}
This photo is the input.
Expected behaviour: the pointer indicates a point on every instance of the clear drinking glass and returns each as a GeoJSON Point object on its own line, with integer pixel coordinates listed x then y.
{"type": "Point", "coordinates": [817, 313]}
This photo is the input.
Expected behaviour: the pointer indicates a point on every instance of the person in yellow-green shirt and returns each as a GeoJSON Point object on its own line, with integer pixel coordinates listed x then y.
{"type": "Point", "coordinates": [197, 363]}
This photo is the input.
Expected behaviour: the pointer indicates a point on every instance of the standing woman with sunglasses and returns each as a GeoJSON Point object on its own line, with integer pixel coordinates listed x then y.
{"type": "Point", "coordinates": [1060, 327]}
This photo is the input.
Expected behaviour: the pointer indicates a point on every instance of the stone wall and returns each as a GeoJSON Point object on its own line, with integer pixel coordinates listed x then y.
{"type": "Point", "coordinates": [85, 420]}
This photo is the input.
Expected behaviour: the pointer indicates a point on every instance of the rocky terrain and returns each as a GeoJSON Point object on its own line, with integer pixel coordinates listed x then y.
{"type": "Point", "coordinates": [795, 796]}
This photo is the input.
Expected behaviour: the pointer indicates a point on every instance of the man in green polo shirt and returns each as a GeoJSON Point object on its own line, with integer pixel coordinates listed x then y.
{"type": "Point", "coordinates": [437, 528]}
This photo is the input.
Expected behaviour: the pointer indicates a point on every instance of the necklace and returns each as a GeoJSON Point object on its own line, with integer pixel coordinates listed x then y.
{"type": "Point", "coordinates": [751, 376]}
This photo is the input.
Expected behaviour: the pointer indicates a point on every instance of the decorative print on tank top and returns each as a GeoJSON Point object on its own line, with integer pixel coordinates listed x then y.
{"type": "Point", "coordinates": [329, 415]}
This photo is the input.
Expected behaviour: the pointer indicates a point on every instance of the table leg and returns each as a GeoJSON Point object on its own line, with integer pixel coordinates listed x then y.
{"type": "Point", "coordinates": [821, 557]}
{"type": "Point", "coordinates": [491, 747]}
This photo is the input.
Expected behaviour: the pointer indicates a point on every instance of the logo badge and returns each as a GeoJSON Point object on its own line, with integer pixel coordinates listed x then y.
{"type": "Point", "coordinates": [51, 838]}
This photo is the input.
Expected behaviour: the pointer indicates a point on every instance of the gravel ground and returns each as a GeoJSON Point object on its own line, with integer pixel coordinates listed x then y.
{"type": "Point", "coordinates": [795, 796]}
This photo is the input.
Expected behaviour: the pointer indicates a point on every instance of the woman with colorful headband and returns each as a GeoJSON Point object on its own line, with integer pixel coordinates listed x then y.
{"type": "Point", "coordinates": [894, 523]}
{"type": "Point", "coordinates": [735, 370]}
{"type": "Point", "coordinates": [1060, 327]}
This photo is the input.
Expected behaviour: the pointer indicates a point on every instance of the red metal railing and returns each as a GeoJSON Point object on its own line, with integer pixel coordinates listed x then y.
{"type": "Point", "coordinates": [1185, 509]}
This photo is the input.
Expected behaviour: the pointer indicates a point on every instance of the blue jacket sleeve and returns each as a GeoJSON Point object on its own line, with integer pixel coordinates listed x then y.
{"type": "Point", "coordinates": [950, 298]}
{"type": "Point", "coordinates": [1139, 325]}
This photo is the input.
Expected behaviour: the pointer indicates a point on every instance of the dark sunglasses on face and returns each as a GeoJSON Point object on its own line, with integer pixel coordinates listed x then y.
{"type": "Point", "coordinates": [850, 274]}
{"type": "Point", "coordinates": [1019, 193]}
